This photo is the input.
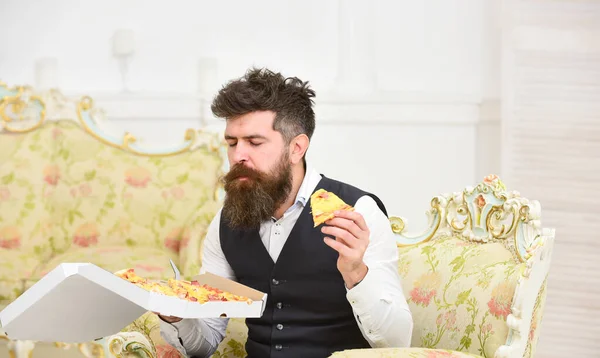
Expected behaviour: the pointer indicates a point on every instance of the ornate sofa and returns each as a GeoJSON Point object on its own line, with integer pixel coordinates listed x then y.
{"type": "Point", "coordinates": [72, 192]}
{"type": "Point", "coordinates": [475, 278]}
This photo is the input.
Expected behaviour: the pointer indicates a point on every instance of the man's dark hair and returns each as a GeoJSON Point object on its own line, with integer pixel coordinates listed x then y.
{"type": "Point", "coordinates": [263, 90]}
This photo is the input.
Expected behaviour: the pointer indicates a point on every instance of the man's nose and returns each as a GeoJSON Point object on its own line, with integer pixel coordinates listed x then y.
{"type": "Point", "coordinates": [240, 153]}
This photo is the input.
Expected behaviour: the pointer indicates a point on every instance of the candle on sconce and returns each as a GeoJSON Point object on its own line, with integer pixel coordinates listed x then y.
{"type": "Point", "coordinates": [46, 73]}
{"type": "Point", "coordinates": [207, 75]}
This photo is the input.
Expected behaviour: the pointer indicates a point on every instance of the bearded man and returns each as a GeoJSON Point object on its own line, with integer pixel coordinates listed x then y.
{"type": "Point", "coordinates": [330, 288]}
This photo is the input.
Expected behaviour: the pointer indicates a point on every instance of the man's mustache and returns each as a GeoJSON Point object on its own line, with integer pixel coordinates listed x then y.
{"type": "Point", "coordinates": [239, 171]}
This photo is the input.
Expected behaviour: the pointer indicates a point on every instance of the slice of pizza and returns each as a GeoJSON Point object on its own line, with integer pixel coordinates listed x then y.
{"type": "Point", "coordinates": [324, 203]}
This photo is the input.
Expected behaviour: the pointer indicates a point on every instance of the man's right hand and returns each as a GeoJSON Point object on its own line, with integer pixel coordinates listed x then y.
{"type": "Point", "coordinates": [168, 319]}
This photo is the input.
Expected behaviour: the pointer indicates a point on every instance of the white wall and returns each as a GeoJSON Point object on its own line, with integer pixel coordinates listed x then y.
{"type": "Point", "coordinates": [400, 106]}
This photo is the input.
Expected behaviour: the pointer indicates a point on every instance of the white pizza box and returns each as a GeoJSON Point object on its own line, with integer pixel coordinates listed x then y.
{"type": "Point", "coordinates": [81, 302]}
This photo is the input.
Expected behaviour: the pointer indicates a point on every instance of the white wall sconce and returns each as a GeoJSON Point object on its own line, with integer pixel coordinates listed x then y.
{"type": "Point", "coordinates": [123, 50]}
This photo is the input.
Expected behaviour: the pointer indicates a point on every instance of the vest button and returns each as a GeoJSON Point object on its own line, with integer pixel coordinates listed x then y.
{"type": "Point", "coordinates": [278, 347]}
{"type": "Point", "coordinates": [280, 326]}
{"type": "Point", "coordinates": [275, 282]}
{"type": "Point", "coordinates": [279, 305]}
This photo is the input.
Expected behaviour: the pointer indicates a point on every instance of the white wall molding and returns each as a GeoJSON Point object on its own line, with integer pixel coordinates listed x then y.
{"type": "Point", "coordinates": [384, 108]}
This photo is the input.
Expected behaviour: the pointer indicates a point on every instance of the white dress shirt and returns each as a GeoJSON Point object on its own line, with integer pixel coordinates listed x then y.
{"type": "Point", "coordinates": [378, 302]}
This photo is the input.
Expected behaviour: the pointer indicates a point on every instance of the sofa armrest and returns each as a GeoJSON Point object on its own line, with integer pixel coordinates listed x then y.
{"type": "Point", "coordinates": [125, 344]}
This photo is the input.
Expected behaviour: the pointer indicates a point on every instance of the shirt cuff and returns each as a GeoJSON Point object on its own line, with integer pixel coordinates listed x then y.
{"type": "Point", "coordinates": [364, 298]}
{"type": "Point", "coordinates": [170, 334]}
{"type": "Point", "coordinates": [365, 294]}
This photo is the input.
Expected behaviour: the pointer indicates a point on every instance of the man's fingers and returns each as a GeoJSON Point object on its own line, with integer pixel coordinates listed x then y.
{"type": "Point", "coordinates": [354, 216]}
{"type": "Point", "coordinates": [339, 247]}
{"type": "Point", "coordinates": [341, 234]}
{"type": "Point", "coordinates": [346, 224]}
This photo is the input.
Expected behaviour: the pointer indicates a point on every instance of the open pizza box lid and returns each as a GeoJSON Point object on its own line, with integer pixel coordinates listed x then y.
{"type": "Point", "coordinates": [81, 302]}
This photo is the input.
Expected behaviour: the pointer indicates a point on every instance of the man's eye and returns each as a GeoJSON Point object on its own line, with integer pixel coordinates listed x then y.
{"type": "Point", "coordinates": [232, 144]}
{"type": "Point", "coordinates": [254, 144]}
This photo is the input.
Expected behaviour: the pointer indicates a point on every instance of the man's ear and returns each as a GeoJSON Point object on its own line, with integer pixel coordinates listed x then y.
{"type": "Point", "coordinates": [298, 147]}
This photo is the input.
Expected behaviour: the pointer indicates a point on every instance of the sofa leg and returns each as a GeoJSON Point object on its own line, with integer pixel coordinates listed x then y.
{"type": "Point", "coordinates": [20, 349]}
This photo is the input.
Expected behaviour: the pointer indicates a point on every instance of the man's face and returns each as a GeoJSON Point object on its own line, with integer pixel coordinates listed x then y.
{"type": "Point", "coordinates": [253, 141]}
{"type": "Point", "coordinates": [260, 178]}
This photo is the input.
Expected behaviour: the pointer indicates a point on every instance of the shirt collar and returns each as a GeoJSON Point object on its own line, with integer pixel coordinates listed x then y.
{"type": "Point", "coordinates": [309, 183]}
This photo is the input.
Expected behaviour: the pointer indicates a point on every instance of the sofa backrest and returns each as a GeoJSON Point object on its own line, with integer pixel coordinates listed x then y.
{"type": "Point", "coordinates": [66, 184]}
{"type": "Point", "coordinates": [476, 278]}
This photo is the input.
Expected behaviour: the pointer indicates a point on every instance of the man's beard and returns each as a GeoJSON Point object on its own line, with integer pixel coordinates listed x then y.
{"type": "Point", "coordinates": [250, 202]}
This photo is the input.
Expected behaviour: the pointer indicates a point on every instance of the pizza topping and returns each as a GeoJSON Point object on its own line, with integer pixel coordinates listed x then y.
{"type": "Point", "coordinates": [324, 204]}
{"type": "Point", "coordinates": [323, 195]}
{"type": "Point", "coordinates": [187, 290]}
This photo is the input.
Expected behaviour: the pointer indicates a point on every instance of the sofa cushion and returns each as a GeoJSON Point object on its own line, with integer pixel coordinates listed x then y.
{"type": "Point", "coordinates": [460, 293]}
{"type": "Point", "coordinates": [401, 353]}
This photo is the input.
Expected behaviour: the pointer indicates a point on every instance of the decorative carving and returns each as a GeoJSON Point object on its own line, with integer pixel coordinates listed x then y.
{"type": "Point", "coordinates": [18, 349]}
{"type": "Point", "coordinates": [88, 122]}
{"type": "Point", "coordinates": [484, 213]}
{"type": "Point", "coordinates": [20, 110]}
{"type": "Point", "coordinates": [434, 215]}
{"type": "Point", "coordinates": [126, 344]}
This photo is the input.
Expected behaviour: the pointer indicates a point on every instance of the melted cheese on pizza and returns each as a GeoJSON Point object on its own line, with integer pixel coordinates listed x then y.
{"type": "Point", "coordinates": [188, 290]}
{"type": "Point", "coordinates": [324, 203]}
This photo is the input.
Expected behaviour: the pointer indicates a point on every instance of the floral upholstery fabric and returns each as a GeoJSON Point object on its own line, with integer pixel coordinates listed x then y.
{"type": "Point", "coordinates": [231, 347]}
{"type": "Point", "coordinates": [68, 197]}
{"type": "Point", "coordinates": [401, 353]}
{"type": "Point", "coordinates": [460, 293]}
{"type": "Point", "coordinates": [63, 192]}
{"type": "Point", "coordinates": [25, 208]}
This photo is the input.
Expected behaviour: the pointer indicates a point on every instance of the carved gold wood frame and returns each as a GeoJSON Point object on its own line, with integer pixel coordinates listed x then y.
{"type": "Point", "coordinates": [14, 103]}
{"type": "Point", "coordinates": [485, 213]}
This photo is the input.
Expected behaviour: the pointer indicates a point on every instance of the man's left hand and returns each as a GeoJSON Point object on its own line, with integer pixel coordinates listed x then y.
{"type": "Point", "coordinates": [351, 241]}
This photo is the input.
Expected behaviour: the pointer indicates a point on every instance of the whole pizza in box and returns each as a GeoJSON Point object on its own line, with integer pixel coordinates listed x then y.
{"type": "Point", "coordinates": [188, 290]}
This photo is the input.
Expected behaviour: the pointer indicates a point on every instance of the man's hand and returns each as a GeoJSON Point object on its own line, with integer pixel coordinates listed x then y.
{"type": "Point", "coordinates": [168, 319]}
{"type": "Point", "coordinates": [351, 241]}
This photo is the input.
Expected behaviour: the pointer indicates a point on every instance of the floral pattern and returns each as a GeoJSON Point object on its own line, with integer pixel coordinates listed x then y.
{"type": "Point", "coordinates": [67, 197]}
{"type": "Point", "coordinates": [459, 292]}
{"type": "Point", "coordinates": [401, 353]}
